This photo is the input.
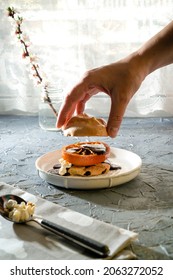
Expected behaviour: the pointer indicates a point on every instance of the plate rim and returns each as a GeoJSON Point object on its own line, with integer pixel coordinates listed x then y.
{"type": "Point", "coordinates": [88, 179]}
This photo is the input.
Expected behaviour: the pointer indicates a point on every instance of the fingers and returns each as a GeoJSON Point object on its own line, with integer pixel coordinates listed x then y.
{"type": "Point", "coordinates": [75, 97]}
{"type": "Point", "coordinates": [80, 106]}
{"type": "Point", "coordinates": [76, 100]}
{"type": "Point", "coordinates": [95, 81]}
{"type": "Point", "coordinates": [64, 115]}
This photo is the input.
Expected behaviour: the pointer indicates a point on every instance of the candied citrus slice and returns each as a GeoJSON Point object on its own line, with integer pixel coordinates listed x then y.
{"type": "Point", "coordinates": [86, 153]}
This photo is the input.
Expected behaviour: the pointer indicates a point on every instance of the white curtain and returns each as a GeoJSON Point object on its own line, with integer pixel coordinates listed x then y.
{"type": "Point", "coordinates": [72, 36]}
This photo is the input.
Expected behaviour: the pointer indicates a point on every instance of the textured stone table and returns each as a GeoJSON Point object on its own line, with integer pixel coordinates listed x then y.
{"type": "Point", "coordinates": [144, 205]}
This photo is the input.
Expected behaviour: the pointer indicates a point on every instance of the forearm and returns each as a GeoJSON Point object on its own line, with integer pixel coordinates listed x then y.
{"type": "Point", "coordinates": [158, 51]}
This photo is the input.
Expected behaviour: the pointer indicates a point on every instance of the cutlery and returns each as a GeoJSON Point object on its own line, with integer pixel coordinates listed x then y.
{"type": "Point", "coordinates": [75, 237]}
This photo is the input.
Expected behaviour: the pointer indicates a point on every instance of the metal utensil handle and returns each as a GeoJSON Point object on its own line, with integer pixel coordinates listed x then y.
{"type": "Point", "coordinates": [76, 237]}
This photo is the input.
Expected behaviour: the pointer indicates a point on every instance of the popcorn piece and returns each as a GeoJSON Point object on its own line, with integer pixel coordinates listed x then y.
{"type": "Point", "coordinates": [10, 204]}
{"type": "Point", "coordinates": [19, 212]}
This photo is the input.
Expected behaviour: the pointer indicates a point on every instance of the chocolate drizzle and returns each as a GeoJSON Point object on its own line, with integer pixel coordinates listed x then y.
{"type": "Point", "coordinates": [87, 149]}
{"type": "Point", "coordinates": [56, 167]}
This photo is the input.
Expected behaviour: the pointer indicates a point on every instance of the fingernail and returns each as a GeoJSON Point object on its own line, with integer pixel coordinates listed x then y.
{"type": "Point", "coordinates": [113, 132]}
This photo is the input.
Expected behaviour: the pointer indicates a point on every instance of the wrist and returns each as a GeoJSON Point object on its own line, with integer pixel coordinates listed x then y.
{"type": "Point", "coordinates": [138, 66]}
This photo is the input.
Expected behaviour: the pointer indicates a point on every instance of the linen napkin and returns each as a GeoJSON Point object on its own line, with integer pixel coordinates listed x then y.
{"type": "Point", "coordinates": [29, 241]}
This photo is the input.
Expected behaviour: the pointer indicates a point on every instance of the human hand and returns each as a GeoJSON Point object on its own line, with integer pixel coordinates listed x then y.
{"type": "Point", "coordinates": [119, 80]}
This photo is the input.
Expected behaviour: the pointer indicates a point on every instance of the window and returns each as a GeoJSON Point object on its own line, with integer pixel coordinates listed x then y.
{"type": "Point", "coordinates": [72, 36]}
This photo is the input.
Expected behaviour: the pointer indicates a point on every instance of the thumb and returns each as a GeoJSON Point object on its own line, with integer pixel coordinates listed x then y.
{"type": "Point", "coordinates": [113, 125]}
{"type": "Point", "coordinates": [115, 117]}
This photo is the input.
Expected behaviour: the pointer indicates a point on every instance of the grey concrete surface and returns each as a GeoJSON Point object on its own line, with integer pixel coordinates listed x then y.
{"type": "Point", "coordinates": [144, 204]}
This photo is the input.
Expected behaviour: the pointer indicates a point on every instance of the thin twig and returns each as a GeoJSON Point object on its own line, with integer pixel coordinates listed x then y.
{"type": "Point", "coordinates": [26, 54]}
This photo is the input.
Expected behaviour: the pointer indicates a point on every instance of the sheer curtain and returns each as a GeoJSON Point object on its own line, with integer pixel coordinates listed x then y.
{"type": "Point", "coordinates": [72, 36]}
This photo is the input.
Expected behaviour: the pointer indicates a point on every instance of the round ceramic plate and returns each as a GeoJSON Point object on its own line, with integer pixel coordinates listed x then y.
{"type": "Point", "coordinates": [129, 162]}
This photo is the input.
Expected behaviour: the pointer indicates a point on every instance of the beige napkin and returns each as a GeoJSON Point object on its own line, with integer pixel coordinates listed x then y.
{"type": "Point", "coordinates": [33, 242]}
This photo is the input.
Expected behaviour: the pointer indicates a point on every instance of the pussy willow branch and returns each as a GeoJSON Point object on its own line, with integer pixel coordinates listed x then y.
{"type": "Point", "coordinates": [26, 54]}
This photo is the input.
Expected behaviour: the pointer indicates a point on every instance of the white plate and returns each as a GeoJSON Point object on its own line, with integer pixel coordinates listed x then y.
{"type": "Point", "coordinates": [130, 167]}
